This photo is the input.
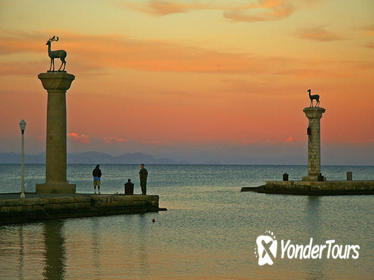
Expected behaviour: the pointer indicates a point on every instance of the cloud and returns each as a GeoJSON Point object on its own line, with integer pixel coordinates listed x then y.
{"type": "Point", "coordinates": [20, 68]}
{"type": "Point", "coordinates": [370, 45]}
{"type": "Point", "coordinates": [369, 30]}
{"type": "Point", "coordinates": [262, 10]}
{"type": "Point", "coordinates": [289, 139]}
{"type": "Point", "coordinates": [163, 8]}
{"type": "Point", "coordinates": [269, 10]}
{"type": "Point", "coordinates": [307, 73]}
{"type": "Point", "coordinates": [79, 138]}
{"type": "Point", "coordinates": [117, 51]}
{"type": "Point", "coordinates": [98, 53]}
{"type": "Point", "coordinates": [18, 41]}
{"type": "Point", "coordinates": [318, 34]}
{"type": "Point", "coordinates": [156, 142]}
{"type": "Point", "coordinates": [111, 140]}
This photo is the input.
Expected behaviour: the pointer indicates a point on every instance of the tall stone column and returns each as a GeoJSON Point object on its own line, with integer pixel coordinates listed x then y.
{"type": "Point", "coordinates": [56, 84]}
{"type": "Point", "coordinates": [314, 114]}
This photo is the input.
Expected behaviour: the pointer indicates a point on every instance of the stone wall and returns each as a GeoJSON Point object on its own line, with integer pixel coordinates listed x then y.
{"type": "Point", "coordinates": [320, 188]}
{"type": "Point", "coordinates": [42, 208]}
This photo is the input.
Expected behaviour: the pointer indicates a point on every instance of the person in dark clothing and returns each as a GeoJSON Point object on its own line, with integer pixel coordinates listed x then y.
{"type": "Point", "coordinates": [129, 187]}
{"type": "Point", "coordinates": [96, 173]}
{"type": "Point", "coordinates": [143, 174]}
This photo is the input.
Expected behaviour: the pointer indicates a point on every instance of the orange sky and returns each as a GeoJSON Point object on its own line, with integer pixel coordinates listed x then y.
{"type": "Point", "coordinates": [180, 78]}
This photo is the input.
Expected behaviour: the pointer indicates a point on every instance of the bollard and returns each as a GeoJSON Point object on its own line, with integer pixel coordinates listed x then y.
{"type": "Point", "coordinates": [349, 175]}
{"type": "Point", "coordinates": [285, 177]}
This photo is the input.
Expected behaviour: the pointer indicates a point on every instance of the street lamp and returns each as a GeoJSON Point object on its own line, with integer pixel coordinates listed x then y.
{"type": "Point", "coordinates": [22, 125]}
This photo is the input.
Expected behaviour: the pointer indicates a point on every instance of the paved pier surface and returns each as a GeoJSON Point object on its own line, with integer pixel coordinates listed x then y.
{"type": "Point", "coordinates": [37, 207]}
{"type": "Point", "coordinates": [315, 187]}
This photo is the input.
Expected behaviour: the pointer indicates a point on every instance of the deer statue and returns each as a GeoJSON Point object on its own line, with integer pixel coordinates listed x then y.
{"type": "Point", "coordinates": [61, 54]}
{"type": "Point", "coordinates": [314, 96]}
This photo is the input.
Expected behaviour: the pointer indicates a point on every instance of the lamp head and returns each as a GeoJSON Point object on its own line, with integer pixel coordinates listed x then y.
{"type": "Point", "coordinates": [22, 125]}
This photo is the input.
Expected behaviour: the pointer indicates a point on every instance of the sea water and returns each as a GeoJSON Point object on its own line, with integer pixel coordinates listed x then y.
{"type": "Point", "coordinates": [208, 232]}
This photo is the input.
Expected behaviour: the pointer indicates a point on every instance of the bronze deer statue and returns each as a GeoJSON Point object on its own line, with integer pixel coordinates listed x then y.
{"type": "Point", "coordinates": [314, 96]}
{"type": "Point", "coordinates": [61, 54]}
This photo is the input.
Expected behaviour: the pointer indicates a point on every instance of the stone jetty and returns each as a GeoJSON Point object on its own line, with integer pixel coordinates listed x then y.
{"type": "Point", "coordinates": [315, 183]}
{"type": "Point", "coordinates": [314, 187]}
{"type": "Point", "coordinates": [38, 207]}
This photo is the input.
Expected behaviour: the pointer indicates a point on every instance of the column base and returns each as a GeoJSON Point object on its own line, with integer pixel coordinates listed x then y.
{"type": "Point", "coordinates": [56, 187]}
{"type": "Point", "coordinates": [310, 178]}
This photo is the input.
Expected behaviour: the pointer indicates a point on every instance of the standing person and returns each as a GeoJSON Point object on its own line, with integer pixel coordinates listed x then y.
{"type": "Point", "coordinates": [96, 173]}
{"type": "Point", "coordinates": [143, 174]}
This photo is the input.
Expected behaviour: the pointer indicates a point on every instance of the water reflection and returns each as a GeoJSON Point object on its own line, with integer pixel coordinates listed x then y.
{"type": "Point", "coordinates": [95, 235]}
{"type": "Point", "coordinates": [206, 240]}
{"type": "Point", "coordinates": [21, 251]}
{"type": "Point", "coordinates": [313, 218]}
{"type": "Point", "coordinates": [54, 250]}
{"type": "Point", "coordinates": [143, 255]}
{"type": "Point", "coordinates": [313, 226]}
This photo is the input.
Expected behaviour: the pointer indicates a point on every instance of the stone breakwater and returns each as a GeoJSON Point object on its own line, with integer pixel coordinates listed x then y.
{"type": "Point", "coordinates": [315, 187]}
{"type": "Point", "coordinates": [46, 207]}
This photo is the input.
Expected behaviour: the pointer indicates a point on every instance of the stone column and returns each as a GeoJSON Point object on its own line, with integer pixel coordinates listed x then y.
{"type": "Point", "coordinates": [314, 114]}
{"type": "Point", "coordinates": [56, 84]}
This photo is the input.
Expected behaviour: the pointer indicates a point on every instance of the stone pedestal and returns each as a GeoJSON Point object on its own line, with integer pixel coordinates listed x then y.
{"type": "Point", "coordinates": [56, 84]}
{"type": "Point", "coordinates": [314, 114]}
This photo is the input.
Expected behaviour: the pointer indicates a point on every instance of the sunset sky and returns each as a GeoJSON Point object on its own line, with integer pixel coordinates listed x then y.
{"type": "Point", "coordinates": [194, 80]}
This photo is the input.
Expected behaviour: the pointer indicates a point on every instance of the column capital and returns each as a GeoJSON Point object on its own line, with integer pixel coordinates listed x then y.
{"type": "Point", "coordinates": [314, 112]}
{"type": "Point", "coordinates": [56, 80]}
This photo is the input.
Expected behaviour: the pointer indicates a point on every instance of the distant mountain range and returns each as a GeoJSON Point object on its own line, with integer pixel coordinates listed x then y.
{"type": "Point", "coordinates": [90, 158]}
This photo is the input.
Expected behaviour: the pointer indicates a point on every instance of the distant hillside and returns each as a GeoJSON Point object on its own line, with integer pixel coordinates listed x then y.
{"type": "Point", "coordinates": [88, 157]}
{"type": "Point", "coordinates": [16, 158]}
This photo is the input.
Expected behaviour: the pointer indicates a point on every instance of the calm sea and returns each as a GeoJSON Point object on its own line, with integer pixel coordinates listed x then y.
{"type": "Point", "coordinates": [209, 231]}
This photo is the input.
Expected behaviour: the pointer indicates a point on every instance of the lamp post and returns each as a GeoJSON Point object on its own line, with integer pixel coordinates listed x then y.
{"type": "Point", "coordinates": [22, 125]}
